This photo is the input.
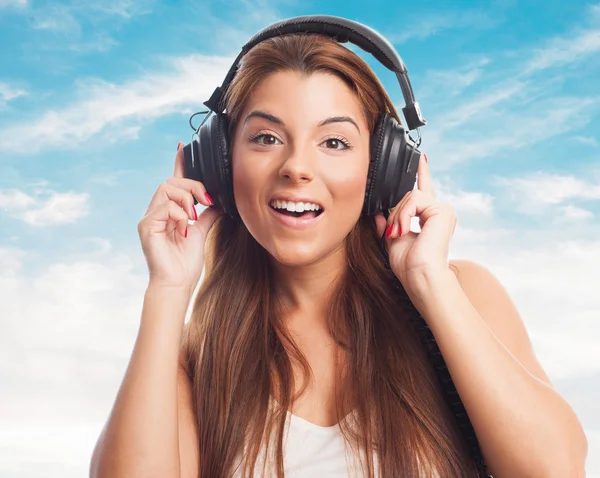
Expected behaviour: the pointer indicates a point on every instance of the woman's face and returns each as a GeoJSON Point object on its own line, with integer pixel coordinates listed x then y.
{"type": "Point", "coordinates": [302, 139]}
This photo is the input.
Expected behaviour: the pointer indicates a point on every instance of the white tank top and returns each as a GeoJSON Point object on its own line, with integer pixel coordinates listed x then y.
{"type": "Point", "coordinates": [311, 450]}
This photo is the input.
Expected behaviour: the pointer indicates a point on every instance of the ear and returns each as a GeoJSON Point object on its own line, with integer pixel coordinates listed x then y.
{"type": "Point", "coordinates": [380, 223]}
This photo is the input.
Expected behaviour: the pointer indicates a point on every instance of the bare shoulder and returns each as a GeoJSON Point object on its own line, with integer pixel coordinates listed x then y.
{"type": "Point", "coordinates": [492, 301]}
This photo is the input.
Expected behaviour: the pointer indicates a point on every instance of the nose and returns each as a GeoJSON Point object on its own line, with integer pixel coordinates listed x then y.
{"type": "Point", "coordinates": [299, 164]}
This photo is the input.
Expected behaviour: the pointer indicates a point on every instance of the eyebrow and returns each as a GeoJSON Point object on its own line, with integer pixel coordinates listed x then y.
{"type": "Point", "coordinates": [279, 121]}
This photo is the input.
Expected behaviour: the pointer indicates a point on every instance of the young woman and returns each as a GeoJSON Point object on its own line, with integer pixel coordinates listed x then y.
{"type": "Point", "coordinates": [299, 354]}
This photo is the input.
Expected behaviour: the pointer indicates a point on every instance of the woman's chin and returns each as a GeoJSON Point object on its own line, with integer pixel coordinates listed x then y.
{"type": "Point", "coordinates": [302, 253]}
{"type": "Point", "coordinates": [296, 255]}
{"type": "Point", "coordinates": [294, 259]}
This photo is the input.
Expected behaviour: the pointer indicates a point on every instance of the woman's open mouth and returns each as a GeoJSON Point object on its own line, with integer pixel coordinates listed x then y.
{"type": "Point", "coordinates": [296, 219]}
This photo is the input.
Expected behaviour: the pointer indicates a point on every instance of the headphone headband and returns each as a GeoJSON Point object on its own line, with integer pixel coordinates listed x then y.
{"type": "Point", "coordinates": [342, 30]}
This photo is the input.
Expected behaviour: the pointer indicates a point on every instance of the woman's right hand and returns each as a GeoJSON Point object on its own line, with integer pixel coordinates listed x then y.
{"type": "Point", "coordinates": [175, 260]}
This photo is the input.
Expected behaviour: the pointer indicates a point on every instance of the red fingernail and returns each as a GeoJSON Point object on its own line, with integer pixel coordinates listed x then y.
{"type": "Point", "coordinates": [195, 213]}
{"type": "Point", "coordinates": [425, 156]}
{"type": "Point", "coordinates": [208, 198]}
{"type": "Point", "coordinates": [185, 232]}
{"type": "Point", "coordinates": [399, 230]}
{"type": "Point", "coordinates": [388, 231]}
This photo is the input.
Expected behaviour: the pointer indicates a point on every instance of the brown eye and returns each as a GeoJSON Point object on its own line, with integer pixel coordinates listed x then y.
{"type": "Point", "coordinates": [269, 139]}
{"type": "Point", "coordinates": [335, 143]}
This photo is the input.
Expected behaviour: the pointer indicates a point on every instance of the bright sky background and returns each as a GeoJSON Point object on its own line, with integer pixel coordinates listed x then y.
{"type": "Point", "coordinates": [95, 95]}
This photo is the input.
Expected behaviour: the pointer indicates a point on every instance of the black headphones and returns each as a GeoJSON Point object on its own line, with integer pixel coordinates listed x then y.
{"type": "Point", "coordinates": [394, 159]}
{"type": "Point", "coordinates": [394, 155]}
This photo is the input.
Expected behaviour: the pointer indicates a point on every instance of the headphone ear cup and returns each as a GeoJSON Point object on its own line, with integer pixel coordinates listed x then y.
{"type": "Point", "coordinates": [220, 140]}
{"type": "Point", "coordinates": [376, 141]}
{"type": "Point", "coordinates": [213, 168]}
{"type": "Point", "coordinates": [394, 159]}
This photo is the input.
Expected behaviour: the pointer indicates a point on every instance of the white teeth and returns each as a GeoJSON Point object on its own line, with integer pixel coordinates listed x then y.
{"type": "Point", "coordinates": [295, 207]}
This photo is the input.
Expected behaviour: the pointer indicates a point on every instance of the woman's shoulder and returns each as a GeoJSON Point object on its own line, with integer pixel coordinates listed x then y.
{"type": "Point", "coordinates": [493, 303]}
{"type": "Point", "coordinates": [466, 270]}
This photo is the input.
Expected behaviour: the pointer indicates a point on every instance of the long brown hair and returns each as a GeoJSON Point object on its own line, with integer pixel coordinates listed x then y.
{"type": "Point", "coordinates": [240, 353]}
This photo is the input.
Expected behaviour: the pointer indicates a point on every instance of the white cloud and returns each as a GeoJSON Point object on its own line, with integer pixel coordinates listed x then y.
{"type": "Point", "coordinates": [56, 18]}
{"type": "Point", "coordinates": [541, 188]}
{"type": "Point", "coordinates": [104, 247]}
{"type": "Point", "coordinates": [112, 108]}
{"type": "Point", "coordinates": [61, 448]}
{"type": "Point", "coordinates": [122, 8]}
{"type": "Point", "coordinates": [425, 26]}
{"type": "Point", "coordinates": [10, 259]}
{"type": "Point", "coordinates": [96, 42]}
{"type": "Point", "coordinates": [243, 20]}
{"type": "Point", "coordinates": [13, 3]}
{"type": "Point", "coordinates": [595, 12]}
{"type": "Point", "coordinates": [587, 140]}
{"type": "Point", "coordinates": [72, 325]}
{"type": "Point", "coordinates": [562, 51]}
{"type": "Point", "coordinates": [9, 93]}
{"type": "Point", "coordinates": [505, 128]}
{"type": "Point", "coordinates": [127, 133]}
{"type": "Point", "coordinates": [12, 199]}
{"type": "Point", "coordinates": [464, 202]}
{"type": "Point", "coordinates": [453, 82]}
{"type": "Point", "coordinates": [57, 208]}
{"type": "Point", "coordinates": [479, 106]}
{"type": "Point", "coordinates": [66, 22]}
{"type": "Point", "coordinates": [101, 43]}
{"type": "Point", "coordinates": [520, 111]}
{"type": "Point", "coordinates": [574, 213]}
{"type": "Point", "coordinates": [111, 178]}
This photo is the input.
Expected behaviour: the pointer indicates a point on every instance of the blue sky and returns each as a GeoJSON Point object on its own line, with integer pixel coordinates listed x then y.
{"type": "Point", "coordinates": [95, 95]}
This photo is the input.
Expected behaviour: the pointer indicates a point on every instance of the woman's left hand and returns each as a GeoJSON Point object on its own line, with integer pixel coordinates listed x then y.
{"type": "Point", "coordinates": [414, 255]}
